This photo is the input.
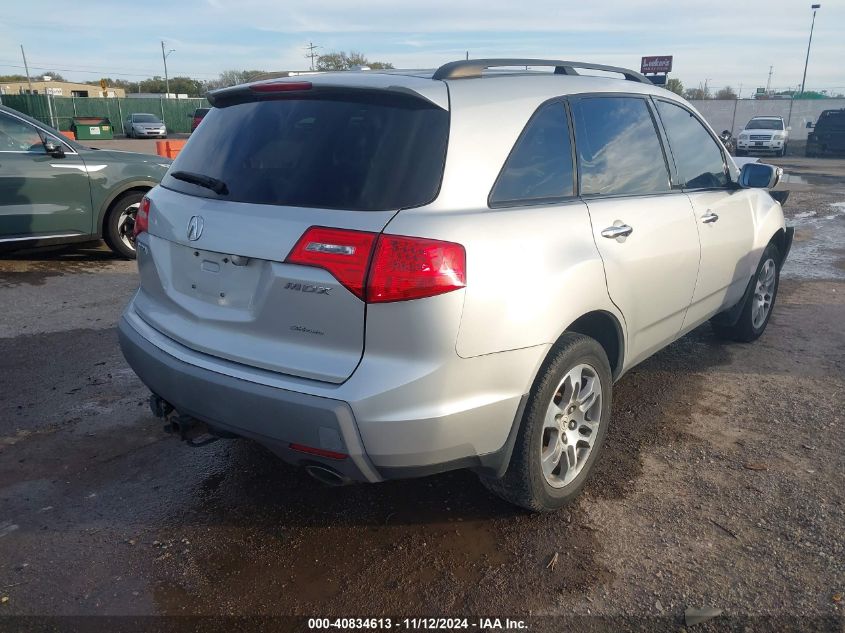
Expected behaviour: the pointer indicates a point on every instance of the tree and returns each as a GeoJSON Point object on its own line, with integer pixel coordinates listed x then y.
{"type": "Point", "coordinates": [234, 77]}
{"type": "Point", "coordinates": [55, 76]}
{"type": "Point", "coordinates": [675, 85]}
{"type": "Point", "coordinates": [697, 94]}
{"type": "Point", "coordinates": [343, 61]}
{"type": "Point", "coordinates": [726, 93]}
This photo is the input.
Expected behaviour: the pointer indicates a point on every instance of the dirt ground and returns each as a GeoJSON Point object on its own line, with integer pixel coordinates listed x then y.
{"type": "Point", "coordinates": [722, 484]}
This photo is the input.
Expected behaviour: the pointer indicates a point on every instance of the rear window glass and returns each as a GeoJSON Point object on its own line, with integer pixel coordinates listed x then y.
{"type": "Point", "coordinates": [367, 153]}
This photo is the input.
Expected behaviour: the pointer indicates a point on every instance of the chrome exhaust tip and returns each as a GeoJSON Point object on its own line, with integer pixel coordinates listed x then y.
{"type": "Point", "coordinates": [326, 475]}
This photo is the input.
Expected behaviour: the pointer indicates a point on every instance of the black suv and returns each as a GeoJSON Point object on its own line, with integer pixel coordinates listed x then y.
{"type": "Point", "coordinates": [828, 135]}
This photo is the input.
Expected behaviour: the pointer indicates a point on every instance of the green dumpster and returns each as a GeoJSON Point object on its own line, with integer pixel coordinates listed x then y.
{"type": "Point", "coordinates": [89, 128]}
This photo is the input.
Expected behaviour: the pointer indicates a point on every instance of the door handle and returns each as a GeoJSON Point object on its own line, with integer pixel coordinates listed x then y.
{"type": "Point", "coordinates": [709, 217]}
{"type": "Point", "coordinates": [612, 232]}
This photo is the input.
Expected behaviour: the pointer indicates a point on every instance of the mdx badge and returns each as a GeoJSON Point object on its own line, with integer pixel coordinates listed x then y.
{"type": "Point", "coordinates": [195, 226]}
{"type": "Point", "coordinates": [320, 290]}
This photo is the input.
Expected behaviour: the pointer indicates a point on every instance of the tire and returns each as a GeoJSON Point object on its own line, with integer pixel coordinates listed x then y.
{"type": "Point", "coordinates": [117, 228]}
{"type": "Point", "coordinates": [751, 323]}
{"type": "Point", "coordinates": [526, 482]}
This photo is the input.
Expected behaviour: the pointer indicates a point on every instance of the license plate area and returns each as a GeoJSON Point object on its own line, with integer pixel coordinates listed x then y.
{"type": "Point", "coordinates": [758, 143]}
{"type": "Point", "coordinates": [215, 278]}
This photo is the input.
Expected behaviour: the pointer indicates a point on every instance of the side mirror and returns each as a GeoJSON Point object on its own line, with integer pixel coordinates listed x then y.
{"type": "Point", "coordinates": [54, 148]}
{"type": "Point", "coordinates": [810, 125]}
{"type": "Point", "coordinates": [759, 176]}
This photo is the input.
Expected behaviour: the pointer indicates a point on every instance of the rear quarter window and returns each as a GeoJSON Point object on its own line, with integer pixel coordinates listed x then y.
{"type": "Point", "coordinates": [368, 152]}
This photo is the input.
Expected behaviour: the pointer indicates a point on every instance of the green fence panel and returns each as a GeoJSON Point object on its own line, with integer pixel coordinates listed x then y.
{"type": "Point", "coordinates": [176, 113]}
{"type": "Point", "coordinates": [33, 105]}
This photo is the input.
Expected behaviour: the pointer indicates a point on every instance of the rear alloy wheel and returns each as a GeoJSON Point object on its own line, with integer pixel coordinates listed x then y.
{"type": "Point", "coordinates": [120, 224]}
{"type": "Point", "coordinates": [562, 429]}
{"type": "Point", "coordinates": [759, 304]}
{"type": "Point", "coordinates": [570, 426]}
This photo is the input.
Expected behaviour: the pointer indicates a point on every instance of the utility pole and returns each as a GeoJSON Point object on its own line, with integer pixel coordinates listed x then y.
{"type": "Point", "coordinates": [311, 54]}
{"type": "Point", "coordinates": [814, 7]}
{"type": "Point", "coordinates": [166, 78]}
{"type": "Point", "coordinates": [26, 66]}
{"type": "Point", "coordinates": [769, 81]}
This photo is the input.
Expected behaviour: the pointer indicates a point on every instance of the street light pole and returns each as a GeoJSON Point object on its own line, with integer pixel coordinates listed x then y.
{"type": "Point", "coordinates": [810, 43]}
{"type": "Point", "coordinates": [166, 79]}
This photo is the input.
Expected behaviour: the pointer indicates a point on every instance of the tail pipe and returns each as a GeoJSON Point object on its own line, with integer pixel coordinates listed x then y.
{"type": "Point", "coordinates": [327, 475]}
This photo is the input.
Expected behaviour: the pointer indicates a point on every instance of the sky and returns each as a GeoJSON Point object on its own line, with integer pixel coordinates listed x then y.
{"type": "Point", "coordinates": [726, 42]}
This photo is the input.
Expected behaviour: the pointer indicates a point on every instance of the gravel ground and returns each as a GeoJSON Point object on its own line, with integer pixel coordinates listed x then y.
{"type": "Point", "coordinates": [722, 484]}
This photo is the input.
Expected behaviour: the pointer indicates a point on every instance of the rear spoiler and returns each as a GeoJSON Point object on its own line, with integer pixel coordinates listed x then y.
{"type": "Point", "coordinates": [301, 88]}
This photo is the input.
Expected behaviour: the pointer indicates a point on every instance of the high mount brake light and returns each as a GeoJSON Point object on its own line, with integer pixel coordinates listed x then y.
{"type": "Point", "coordinates": [402, 268]}
{"type": "Point", "coordinates": [142, 217]}
{"type": "Point", "coordinates": [281, 86]}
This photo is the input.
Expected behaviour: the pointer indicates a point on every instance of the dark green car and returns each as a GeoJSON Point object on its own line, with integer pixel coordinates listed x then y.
{"type": "Point", "coordinates": [56, 191]}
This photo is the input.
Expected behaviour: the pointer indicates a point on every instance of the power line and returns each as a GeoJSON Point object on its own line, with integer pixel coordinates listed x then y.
{"type": "Point", "coordinates": [93, 69]}
{"type": "Point", "coordinates": [311, 48]}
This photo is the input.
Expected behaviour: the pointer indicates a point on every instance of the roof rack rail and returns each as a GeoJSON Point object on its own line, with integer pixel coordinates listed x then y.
{"type": "Point", "coordinates": [465, 69]}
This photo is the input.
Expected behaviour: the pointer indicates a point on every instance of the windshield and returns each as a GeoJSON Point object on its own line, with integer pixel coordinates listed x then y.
{"type": "Point", "coordinates": [834, 120]}
{"type": "Point", "coordinates": [764, 124]}
{"type": "Point", "coordinates": [366, 152]}
{"type": "Point", "coordinates": [145, 118]}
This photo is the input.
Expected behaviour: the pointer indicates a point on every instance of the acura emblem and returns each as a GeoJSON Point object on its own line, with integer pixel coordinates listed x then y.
{"type": "Point", "coordinates": [195, 226]}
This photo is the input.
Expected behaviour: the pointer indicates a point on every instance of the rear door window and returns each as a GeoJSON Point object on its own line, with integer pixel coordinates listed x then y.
{"type": "Point", "coordinates": [619, 152]}
{"type": "Point", "coordinates": [539, 168]}
{"type": "Point", "coordinates": [358, 152]}
{"type": "Point", "coordinates": [698, 156]}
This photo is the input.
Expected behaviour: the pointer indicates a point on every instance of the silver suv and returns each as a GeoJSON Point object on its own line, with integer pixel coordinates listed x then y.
{"type": "Point", "coordinates": [393, 274]}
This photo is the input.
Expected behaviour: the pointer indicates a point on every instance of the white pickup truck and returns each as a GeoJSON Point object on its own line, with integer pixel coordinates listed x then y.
{"type": "Point", "coordinates": [763, 134]}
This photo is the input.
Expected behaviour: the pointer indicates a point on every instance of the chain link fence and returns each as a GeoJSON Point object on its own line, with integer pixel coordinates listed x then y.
{"type": "Point", "coordinates": [60, 111]}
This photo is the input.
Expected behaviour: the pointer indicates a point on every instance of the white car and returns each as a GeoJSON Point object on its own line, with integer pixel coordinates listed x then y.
{"type": "Point", "coordinates": [763, 134]}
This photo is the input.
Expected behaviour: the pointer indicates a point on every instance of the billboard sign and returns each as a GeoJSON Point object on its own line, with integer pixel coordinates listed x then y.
{"type": "Point", "coordinates": [656, 64]}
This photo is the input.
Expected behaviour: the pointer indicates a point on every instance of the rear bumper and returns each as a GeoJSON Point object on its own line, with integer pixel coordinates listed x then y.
{"type": "Point", "coordinates": [274, 417]}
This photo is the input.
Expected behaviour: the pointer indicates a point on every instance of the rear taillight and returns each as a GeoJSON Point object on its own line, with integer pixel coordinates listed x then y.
{"type": "Point", "coordinates": [142, 217]}
{"type": "Point", "coordinates": [402, 267]}
{"type": "Point", "coordinates": [197, 120]}
{"type": "Point", "coordinates": [345, 254]}
{"type": "Point", "coordinates": [411, 268]}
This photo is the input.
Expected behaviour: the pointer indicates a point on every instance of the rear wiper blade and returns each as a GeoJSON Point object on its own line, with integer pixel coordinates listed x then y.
{"type": "Point", "coordinates": [217, 186]}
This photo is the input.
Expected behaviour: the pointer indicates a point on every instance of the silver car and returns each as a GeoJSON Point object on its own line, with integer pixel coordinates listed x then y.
{"type": "Point", "coordinates": [142, 125]}
{"type": "Point", "coordinates": [393, 274]}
